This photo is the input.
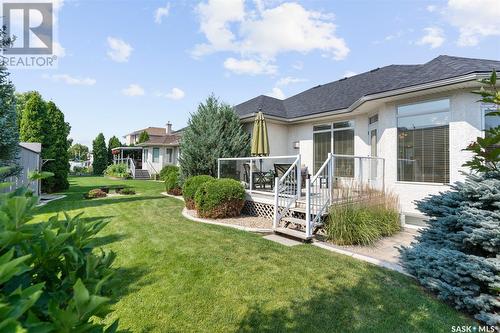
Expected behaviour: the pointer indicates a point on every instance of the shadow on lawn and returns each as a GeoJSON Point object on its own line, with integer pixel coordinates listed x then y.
{"type": "Point", "coordinates": [364, 307]}
{"type": "Point", "coordinates": [78, 202]}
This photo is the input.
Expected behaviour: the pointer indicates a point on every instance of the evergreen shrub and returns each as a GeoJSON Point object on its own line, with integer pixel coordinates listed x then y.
{"type": "Point", "coordinates": [166, 170]}
{"type": "Point", "coordinates": [220, 198]}
{"type": "Point", "coordinates": [172, 183]}
{"type": "Point", "coordinates": [190, 187]}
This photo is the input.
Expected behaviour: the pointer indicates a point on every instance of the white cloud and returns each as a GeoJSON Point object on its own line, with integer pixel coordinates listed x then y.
{"type": "Point", "coordinates": [277, 93]}
{"type": "Point", "coordinates": [349, 74]}
{"type": "Point", "coordinates": [251, 67]}
{"type": "Point", "coordinates": [161, 12]}
{"type": "Point", "coordinates": [119, 50]}
{"type": "Point", "coordinates": [284, 81]}
{"type": "Point", "coordinates": [68, 79]}
{"type": "Point", "coordinates": [298, 65]}
{"type": "Point", "coordinates": [431, 8]}
{"type": "Point", "coordinates": [133, 90]}
{"type": "Point", "coordinates": [262, 34]}
{"type": "Point", "coordinates": [58, 50]}
{"type": "Point", "coordinates": [434, 37]}
{"type": "Point", "coordinates": [175, 94]}
{"type": "Point", "coordinates": [475, 19]}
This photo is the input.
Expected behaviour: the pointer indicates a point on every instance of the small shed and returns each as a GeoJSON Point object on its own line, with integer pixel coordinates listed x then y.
{"type": "Point", "coordinates": [30, 161]}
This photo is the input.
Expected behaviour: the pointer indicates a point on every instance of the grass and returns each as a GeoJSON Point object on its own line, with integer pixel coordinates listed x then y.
{"type": "Point", "coordinates": [182, 276]}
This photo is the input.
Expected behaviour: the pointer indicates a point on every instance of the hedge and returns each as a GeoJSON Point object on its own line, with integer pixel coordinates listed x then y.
{"type": "Point", "coordinates": [220, 198]}
{"type": "Point", "coordinates": [190, 187]}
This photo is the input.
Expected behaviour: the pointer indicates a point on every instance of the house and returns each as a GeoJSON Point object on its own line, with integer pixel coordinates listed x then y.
{"type": "Point", "coordinates": [405, 126]}
{"type": "Point", "coordinates": [153, 132]}
{"type": "Point", "coordinates": [146, 159]}
{"type": "Point", "coordinates": [30, 161]}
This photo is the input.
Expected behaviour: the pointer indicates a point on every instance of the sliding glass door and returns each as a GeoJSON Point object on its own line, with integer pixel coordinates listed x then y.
{"type": "Point", "coordinates": [337, 138]}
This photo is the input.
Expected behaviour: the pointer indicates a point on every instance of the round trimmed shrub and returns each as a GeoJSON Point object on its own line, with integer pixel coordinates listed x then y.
{"type": "Point", "coordinates": [220, 198]}
{"type": "Point", "coordinates": [172, 183]}
{"type": "Point", "coordinates": [166, 170]}
{"type": "Point", "coordinates": [190, 187]}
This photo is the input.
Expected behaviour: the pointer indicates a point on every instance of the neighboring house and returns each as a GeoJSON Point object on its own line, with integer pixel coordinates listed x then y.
{"type": "Point", "coordinates": [30, 161]}
{"type": "Point", "coordinates": [153, 132]}
{"type": "Point", "coordinates": [151, 156]}
{"type": "Point", "coordinates": [416, 119]}
{"type": "Point", "coordinates": [162, 150]}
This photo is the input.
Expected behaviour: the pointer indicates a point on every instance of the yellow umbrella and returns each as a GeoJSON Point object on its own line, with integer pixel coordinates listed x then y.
{"type": "Point", "coordinates": [260, 141]}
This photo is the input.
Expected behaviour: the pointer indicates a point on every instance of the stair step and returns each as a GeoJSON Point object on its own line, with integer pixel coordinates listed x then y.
{"type": "Point", "coordinates": [292, 233]}
{"type": "Point", "coordinates": [303, 210]}
{"type": "Point", "coordinates": [294, 220]}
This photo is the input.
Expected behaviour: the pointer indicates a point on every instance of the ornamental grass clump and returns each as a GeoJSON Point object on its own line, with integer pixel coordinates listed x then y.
{"type": "Point", "coordinates": [362, 216]}
{"type": "Point", "coordinates": [191, 185]}
{"type": "Point", "coordinates": [220, 198]}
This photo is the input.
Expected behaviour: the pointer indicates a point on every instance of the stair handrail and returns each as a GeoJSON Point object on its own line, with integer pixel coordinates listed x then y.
{"type": "Point", "coordinates": [282, 186]}
{"type": "Point", "coordinates": [152, 167]}
{"type": "Point", "coordinates": [316, 205]}
{"type": "Point", "coordinates": [132, 167]}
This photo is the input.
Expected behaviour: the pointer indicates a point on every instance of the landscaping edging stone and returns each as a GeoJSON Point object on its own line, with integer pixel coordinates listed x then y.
{"type": "Point", "coordinates": [186, 214]}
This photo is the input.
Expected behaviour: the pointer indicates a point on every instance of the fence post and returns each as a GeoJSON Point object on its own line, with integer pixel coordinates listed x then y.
{"type": "Point", "coordinates": [308, 207]}
{"type": "Point", "coordinates": [218, 168]}
{"type": "Point", "coordinates": [276, 202]}
{"type": "Point", "coordinates": [299, 177]}
{"type": "Point", "coordinates": [330, 176]}
{"type": "Point", "coordinates": [251, 176]}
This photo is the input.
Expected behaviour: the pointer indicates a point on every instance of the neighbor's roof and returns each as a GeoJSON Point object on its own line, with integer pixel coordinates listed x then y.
{"type": "Point", "coordinates": [156, 131]}
{"type": "Point", "coordinates": [343, 93]}
{"type": "Point", "coordinates": [165, 140]}
{"type": "Point", "coordinates": [33, 146]}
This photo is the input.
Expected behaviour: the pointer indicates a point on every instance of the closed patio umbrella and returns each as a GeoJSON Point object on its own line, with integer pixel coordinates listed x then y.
{"type": "Point", "coordinates": [260, 141]}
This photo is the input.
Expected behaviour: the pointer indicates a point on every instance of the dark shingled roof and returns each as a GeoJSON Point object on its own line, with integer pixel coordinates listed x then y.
{"type": "Point", "coordinates": [343, 93]}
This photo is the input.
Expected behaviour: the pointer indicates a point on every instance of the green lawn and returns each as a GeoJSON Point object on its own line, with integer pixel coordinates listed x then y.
{"type": "Point", "coordinates": [181, 276]}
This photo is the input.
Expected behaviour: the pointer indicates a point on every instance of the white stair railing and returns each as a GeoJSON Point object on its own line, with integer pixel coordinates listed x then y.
{"type": "Point", "coordinates": [319, 194]}
{"type": "Point", "coordinates": [287, 190]}
{"type": "Point", "coordinates": [131, 167]}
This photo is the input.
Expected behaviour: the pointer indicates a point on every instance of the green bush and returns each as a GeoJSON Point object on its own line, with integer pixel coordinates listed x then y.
{"type": "Point", "coordinates": [51, 277]}
{"type": "Point", "coordinates": [220, 198]}
{"type": "Point", "coordinates": [190, 187]}
{"type": "Point", "coordinates": [362, 217]}
{"type": "Point", "coordinates": [95, 193]}
{"type": "Point", "coordinates": [172, 183]}
{"type": "Point", "coordinates": [119, 170]}
{"type": "Point", "coordinates": [166, 170]}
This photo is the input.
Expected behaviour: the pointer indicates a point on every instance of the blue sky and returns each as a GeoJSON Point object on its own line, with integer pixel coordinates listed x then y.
{"type": "Point", "coordinates": [126, 65]}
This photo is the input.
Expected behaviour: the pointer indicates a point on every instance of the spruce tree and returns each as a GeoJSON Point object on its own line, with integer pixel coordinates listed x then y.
{"type": "Point", "coordinates": [100, 154]}
{"type": "Point", "coordinates": [143, 137]}
{"type": "Point", "coordinates": [113, 142]}
{"type": "Point", "coordinates": [9, 133]}
{"type": "Point", "coordinates": [57, 150]}
{"type": "Point", "coordinates": [213, 132]}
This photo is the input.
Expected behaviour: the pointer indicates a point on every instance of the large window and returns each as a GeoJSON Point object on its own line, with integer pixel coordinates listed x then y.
{"type": "Point", "coordinates": [337, 138]}
{"type": "Point", "coordinates": [145, 155]}
{"type": "Point", "coordinates": [156, 155]}
{"type": "Point", "coordinates": [423, 142]}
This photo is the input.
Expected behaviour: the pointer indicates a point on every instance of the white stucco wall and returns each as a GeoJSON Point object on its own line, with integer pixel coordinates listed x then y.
{"type": "Point", "coordinates": [465, 126]}
{"type": "Point", "coordinates": [155, 167]}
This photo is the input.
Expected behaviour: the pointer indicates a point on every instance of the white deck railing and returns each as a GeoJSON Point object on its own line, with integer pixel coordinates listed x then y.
{"type": "Point", "coordinates": [129, 162]}
{"type": "Point", "coordinates": [287, 190]}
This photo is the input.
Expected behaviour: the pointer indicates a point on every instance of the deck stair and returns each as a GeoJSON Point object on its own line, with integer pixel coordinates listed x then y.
{"type": "Point", "coordinates": [142, 174]}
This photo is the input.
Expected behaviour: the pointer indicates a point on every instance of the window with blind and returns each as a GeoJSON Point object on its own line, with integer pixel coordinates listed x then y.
{"type": "Point", "coordinates": [156, 155]}
{"type": "Point", "coordinates": [423, 142]}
